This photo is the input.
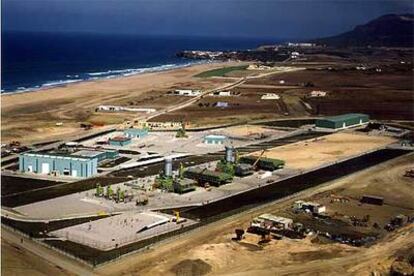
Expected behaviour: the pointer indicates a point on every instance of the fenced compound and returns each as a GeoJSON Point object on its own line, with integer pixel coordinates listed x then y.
{"type": "Point", "coordinates": [268, 194]}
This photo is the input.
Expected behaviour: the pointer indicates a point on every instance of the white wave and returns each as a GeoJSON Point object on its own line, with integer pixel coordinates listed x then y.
{"type": "Point", "coordinates": [109, 74]}
{"type": "Point", "coordinates": [60, 82]}
{"type": "Point", "coordinates": [133, 71]}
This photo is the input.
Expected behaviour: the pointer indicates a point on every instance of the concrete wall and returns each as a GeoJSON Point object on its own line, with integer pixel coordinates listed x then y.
{"type": "Point", "coordinates": [119, 143]}
{"type": "Point", "coordinates": [45, 164]}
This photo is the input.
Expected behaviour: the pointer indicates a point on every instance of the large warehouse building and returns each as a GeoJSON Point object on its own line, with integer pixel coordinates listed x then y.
{"type": "Point", "coordinates": [342, 121]}
{"type": "Point", "coordinates": [83, 163]}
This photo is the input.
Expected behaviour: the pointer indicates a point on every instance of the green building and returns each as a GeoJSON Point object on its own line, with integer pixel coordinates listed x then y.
{"type": "Point", "coordinates": [342, 121]}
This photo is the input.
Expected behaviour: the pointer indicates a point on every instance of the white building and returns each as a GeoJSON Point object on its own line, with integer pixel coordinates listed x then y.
{"type": "Point", "coordinates": [313, 207]}
{"type": "Point", "coordinates": [270, 96]}
{"type": "Point", "coordinates": [300, 44]}
{"type": "Point", "coordinates": [222, 93]}
{"type": "Point", "coordinates": [268, 221]}
{"type": "Point", "coordinates": [115, 108]}
{"type": "Point", "coordinates": [187, 92]}
{"type": "Point", "coordinates": [294, 54]}
{"type": "Point", "coordinates": [317, 93]}
{"type": "Point", "coordinates": [258, 67]}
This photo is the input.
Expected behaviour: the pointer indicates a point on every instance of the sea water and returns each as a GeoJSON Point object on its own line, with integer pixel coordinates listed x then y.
{"type": "Point", "coordinates": [31, 61]}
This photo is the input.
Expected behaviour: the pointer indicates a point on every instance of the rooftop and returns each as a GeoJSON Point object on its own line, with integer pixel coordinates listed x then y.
{"type": "Point", "coordinates": [275, 218]}
{"type": "Point", "coordinates": [212, 136]}
{"type": "Point", "coordinates": [87, 153]}
{"type": "Point", "coordinates": [120, 139]}
{"type": "Point", "coordinates": [343, 117]}
{"type": "Point", "coordinates": [136, 130]}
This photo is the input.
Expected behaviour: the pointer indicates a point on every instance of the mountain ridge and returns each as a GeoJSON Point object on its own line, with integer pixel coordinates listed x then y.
{"type": "Point", "coordinates": [390, 30]}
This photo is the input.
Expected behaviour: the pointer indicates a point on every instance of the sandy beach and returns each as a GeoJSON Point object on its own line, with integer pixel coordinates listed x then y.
{"type": "Point", "coordinates": [32, 117]}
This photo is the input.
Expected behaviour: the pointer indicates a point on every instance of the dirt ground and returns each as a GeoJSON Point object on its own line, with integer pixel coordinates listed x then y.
{"type": "Point", "coordinates": [314, 152]}
{"type": "Point", "coordinates": [33, 116]}
{"type": "Point", "coordinates": [384, 94]}
{"type": "Point", "coordinates": [211, 249]}
{"type": "Point", "coordinates": [246, 131]}
{"type": "Point", "coordinates": [16, 262]}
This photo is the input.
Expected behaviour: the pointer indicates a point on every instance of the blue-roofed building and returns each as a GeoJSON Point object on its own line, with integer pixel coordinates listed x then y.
{"type": "Point", "coordinates": [60, 164]}
{"type": "Point", "coordinates": [82, 163]}
{"type": "Point", "coordinates": [135, 132]}
{"type": "Point", "coordinates": [119, 141]}
{"type": "Point", "coordinates": [214, 139]}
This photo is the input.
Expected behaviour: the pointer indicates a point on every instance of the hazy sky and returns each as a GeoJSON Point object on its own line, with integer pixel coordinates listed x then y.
{"type": "Point", "coordinates": [244, 18]}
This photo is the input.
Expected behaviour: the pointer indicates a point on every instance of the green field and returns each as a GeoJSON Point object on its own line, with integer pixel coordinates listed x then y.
{"type": "Point", "coordinates": [220, 72]}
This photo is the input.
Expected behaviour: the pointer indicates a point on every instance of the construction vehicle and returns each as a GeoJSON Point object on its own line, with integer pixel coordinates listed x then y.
{"type": "Point", "coordinates": [177, 215]}
{"type": "Point", "coordinates": [207, 187]}
{"type": "Point", "coordinates": [177, 219]}
{"type": "Point", "coordinates": [239, 234]}
{"type": "Point", "coordinates": [409, 173]}
{"type": "Point", "coordinates": [265, 237]}
{"type": "Point", "coordinates": [257, 160]}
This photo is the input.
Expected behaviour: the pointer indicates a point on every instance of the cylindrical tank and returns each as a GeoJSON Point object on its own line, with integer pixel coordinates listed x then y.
{"type": "Point", "coordinates": [230, 154]}
{"type": "Point", "coordinates": [168, 166]}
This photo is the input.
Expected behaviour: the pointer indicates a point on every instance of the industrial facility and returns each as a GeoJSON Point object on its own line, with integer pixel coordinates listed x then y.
{"type": "Point", "coordinates": [83, 163]}
{"type": "Point", "coordinates": [342, 121]}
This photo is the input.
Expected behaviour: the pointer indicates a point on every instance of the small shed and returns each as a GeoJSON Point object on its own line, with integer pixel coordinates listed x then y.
{"type": "Point", "coordinates": [135, 132]}
{"type": "Point", "coordinates": [371, 199]}
{"type": "Point", "coordinates": [214, 139]}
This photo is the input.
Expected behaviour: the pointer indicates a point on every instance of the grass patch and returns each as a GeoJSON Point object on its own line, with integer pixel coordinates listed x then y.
{"type": "Point", "coordinates": [220, 72]}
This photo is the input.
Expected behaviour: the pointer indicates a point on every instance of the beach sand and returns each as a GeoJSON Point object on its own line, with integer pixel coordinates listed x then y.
{"type": "Point", "coordinates": [32, 117]}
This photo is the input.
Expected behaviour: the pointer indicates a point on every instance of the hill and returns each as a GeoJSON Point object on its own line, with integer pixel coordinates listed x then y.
{"type": "Point", "coordinates": [390, 30]}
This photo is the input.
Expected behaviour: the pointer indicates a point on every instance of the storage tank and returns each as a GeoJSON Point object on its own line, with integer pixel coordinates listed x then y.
{"type": "Point", "coordinates": [168, 167]}
{"type": "Point", "coordinates": [230, 154]}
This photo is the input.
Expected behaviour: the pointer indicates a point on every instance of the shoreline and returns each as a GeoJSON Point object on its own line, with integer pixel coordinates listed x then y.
{"type": "Point", "coordinates": [33, 116]}
{"type": "Point", "coordinates": [132, 72]}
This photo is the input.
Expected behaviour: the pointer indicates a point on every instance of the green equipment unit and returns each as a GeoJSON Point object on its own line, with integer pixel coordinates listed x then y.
{"type": "Point", "coordinates": [226, 167]}
{"type": "Point", "coordinates": [206, 176]}
{"type": "Point", "coordinates": [182, 186]}
{"type": "Point", "coordinates": [243, 170]}
{"type": "Point", "coordinates": [165, 183]}
{"type": "Point", "coordinates": [263, 163]}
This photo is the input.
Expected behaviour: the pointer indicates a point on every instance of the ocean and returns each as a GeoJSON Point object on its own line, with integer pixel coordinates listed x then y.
{"type": "Point", "coordinates": [31, 61]}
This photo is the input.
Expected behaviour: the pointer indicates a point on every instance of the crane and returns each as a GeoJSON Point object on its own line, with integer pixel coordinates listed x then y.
{"type": "Point", "coordinates": [258, 158]}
